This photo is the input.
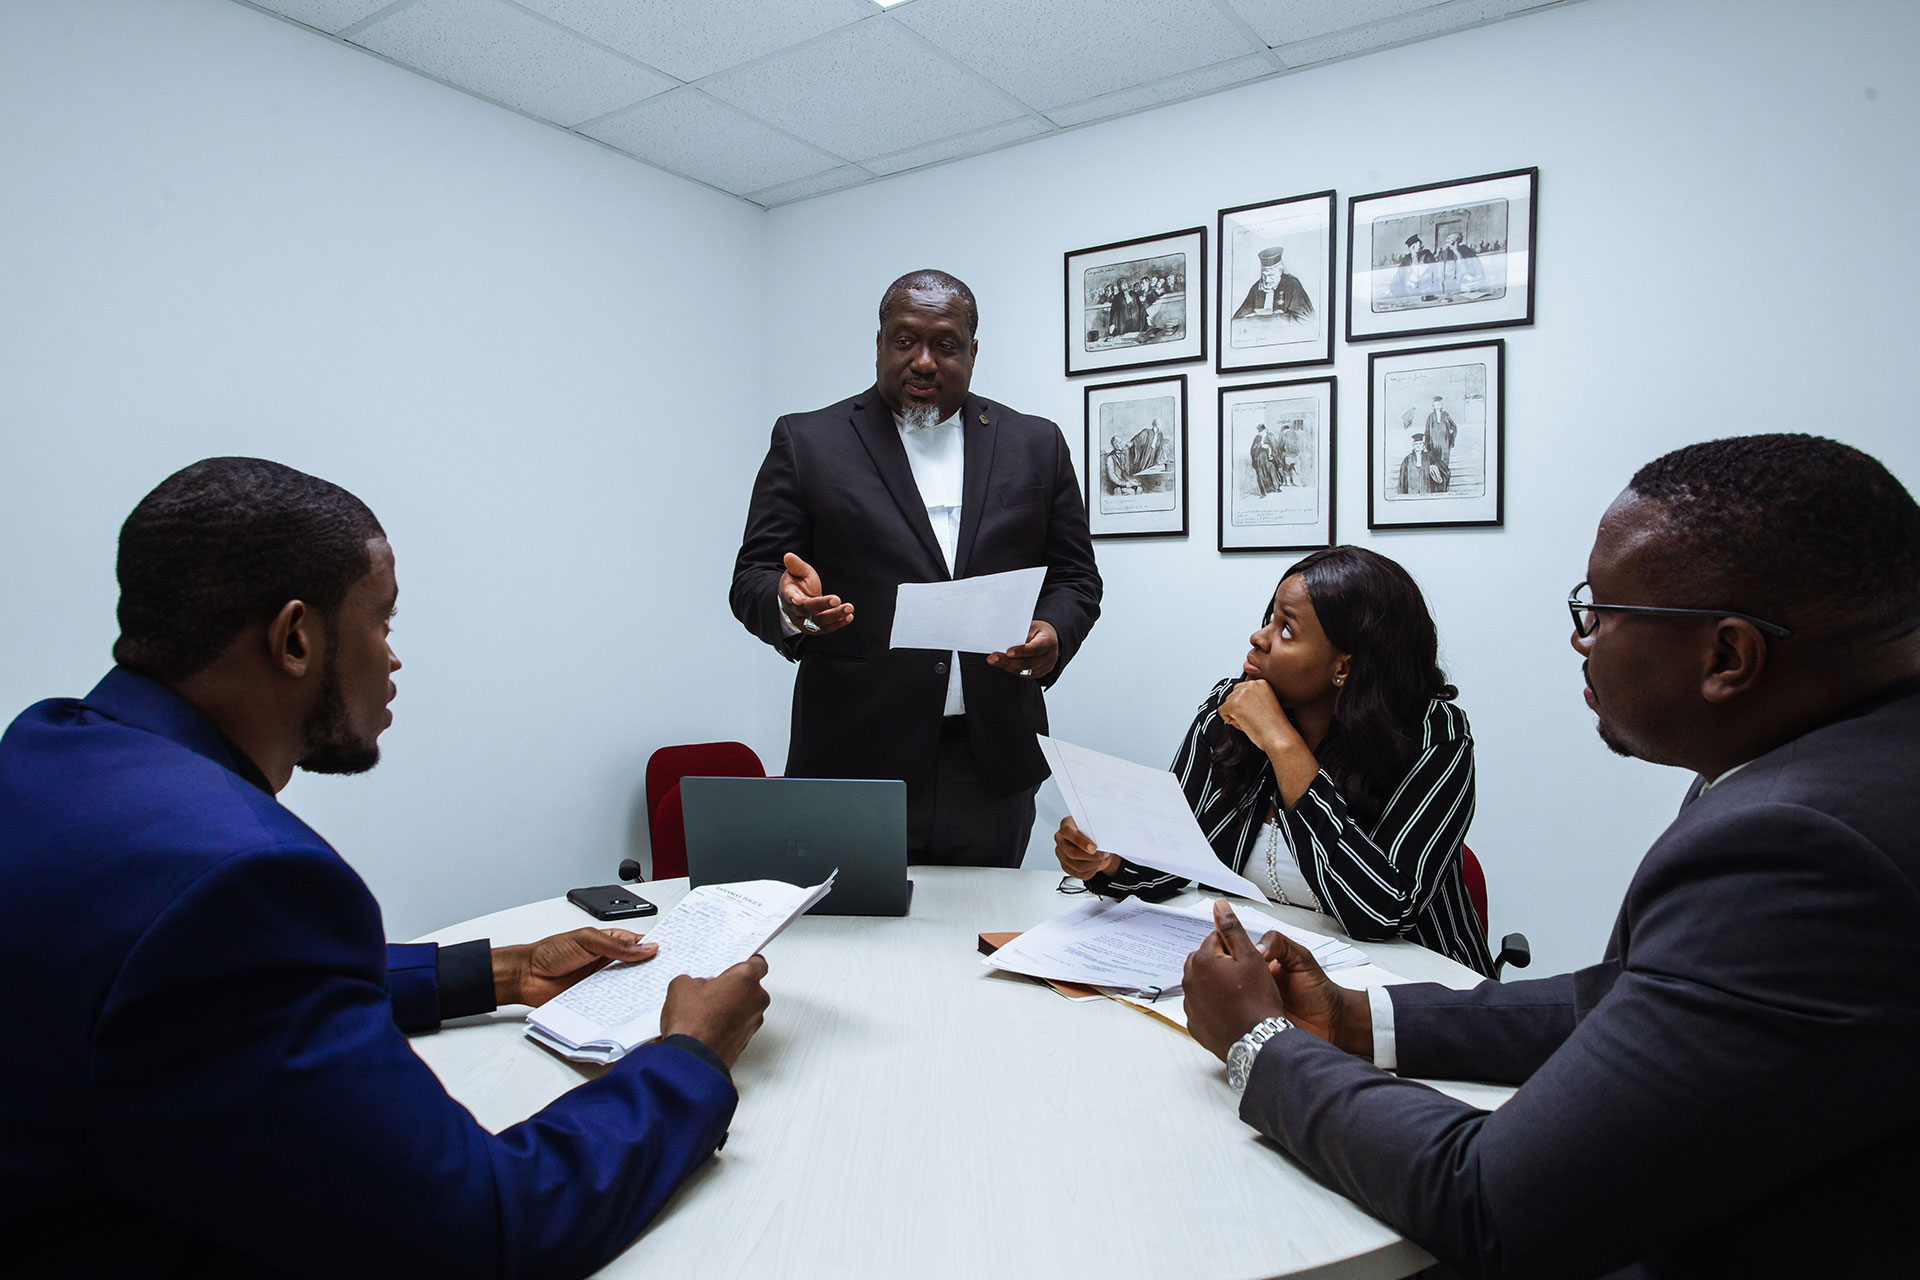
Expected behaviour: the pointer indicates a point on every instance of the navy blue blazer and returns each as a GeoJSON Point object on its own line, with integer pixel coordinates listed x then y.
{"type": "Point", "coordinates": [204, 1071]}
{"type": "Point", "coordinates": [1728, 1092]}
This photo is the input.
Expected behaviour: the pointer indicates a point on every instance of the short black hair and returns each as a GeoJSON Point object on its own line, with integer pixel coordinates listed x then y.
{"type": "Point", "coordinates": [223, 544]}
{"type": "Point", "coordinates": [1797, 529]}
{"type": "Point", "coordinates": [933, 282]}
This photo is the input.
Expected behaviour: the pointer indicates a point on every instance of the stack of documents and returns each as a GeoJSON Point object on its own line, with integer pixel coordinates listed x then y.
{"type": "Point", "coordinates": [607, 1015]}
{"type": "Point", "coordinates": [1141, 947]}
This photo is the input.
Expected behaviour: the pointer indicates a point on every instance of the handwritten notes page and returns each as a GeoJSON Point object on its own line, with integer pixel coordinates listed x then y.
{"type": "Point", "coordinates": [969, 615]}
{"type": "Point", "coordinates": [605, 1016]}
{"type": "Point", "coordinates": [1139, 813]}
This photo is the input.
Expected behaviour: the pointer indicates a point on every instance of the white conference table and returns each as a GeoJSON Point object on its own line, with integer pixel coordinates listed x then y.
{"type": "Point", "coordinates": [906, 1111]}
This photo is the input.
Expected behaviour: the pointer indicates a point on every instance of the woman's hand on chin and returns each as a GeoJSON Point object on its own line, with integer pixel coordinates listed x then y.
{"type": "Point", "coordinates": [1253, 709]}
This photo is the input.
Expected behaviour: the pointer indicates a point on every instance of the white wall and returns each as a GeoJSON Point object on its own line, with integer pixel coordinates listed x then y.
{"type": "Point", "coordinates": [1720, 184]}
{"type": "Point", "coordinates": [220, 233]}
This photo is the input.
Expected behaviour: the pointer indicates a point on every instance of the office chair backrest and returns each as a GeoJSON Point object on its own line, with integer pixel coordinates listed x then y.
{"type": "Point", "coordinates": [1476, 884]}
{"type": "Point", "coordinates": [666, 828]}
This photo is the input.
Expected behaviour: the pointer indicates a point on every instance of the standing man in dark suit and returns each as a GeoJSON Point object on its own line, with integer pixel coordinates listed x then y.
{"type": "Point", "coordinates": [919, 480]}
{"type": "Point", "coordinates": [1729, 1091]}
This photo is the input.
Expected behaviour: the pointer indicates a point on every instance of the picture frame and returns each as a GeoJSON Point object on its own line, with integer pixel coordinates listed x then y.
{"type": "Point", "coordinates": [1134, 460]}
{"type": "Point", "coordinates": [1442, 258]}
{"type": "Point", "coordinates": [1277, 465]}
{"type": "Point", "coordinates": [1136, 304]}
{"type": "Point", "coordinates": [1275, 297]}
{"type": "Point", "coordinates": [1436, 437]}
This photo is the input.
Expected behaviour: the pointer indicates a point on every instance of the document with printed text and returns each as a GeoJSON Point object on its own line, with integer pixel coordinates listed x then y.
{"type": "Point", "coordinates": [987, 614]}
{"type": "Point", "coordinates": [607, 1015]}
{"type": "Point", "coordinates": [1139, 813]}
{"type": "Point", "coordinates": [1137, 946]}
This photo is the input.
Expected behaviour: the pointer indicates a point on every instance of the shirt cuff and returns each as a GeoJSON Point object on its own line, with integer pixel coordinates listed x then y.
{"type": "Point", "coordinates": [700, 1051]}
{"type": "Point", "coordinates": [786, 628]}
{"type": "Point", "coordinates": [1386, 1053]}
{"type": "Point", "coordinates": [465, 979]}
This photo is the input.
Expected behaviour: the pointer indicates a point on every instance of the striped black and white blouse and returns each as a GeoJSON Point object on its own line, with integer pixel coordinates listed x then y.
{"type": "Point", "coordinates": [1398, 879]}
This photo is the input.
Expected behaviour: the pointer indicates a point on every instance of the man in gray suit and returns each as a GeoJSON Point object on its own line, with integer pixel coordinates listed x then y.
{"type": "Point", "coordinates": [919, 480]}
{"type": "Point", "coordinates": [1729, 1091]}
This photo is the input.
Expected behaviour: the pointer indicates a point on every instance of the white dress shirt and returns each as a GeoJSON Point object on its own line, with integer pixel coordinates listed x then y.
{"type": "Point", "coordinates": [938, 457]}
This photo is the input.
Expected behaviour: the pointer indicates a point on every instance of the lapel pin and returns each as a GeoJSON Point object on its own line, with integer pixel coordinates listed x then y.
{"type": "Point", "coordinates": [983, 419]}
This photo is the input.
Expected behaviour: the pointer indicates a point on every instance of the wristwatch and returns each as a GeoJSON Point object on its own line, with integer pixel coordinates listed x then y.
{"type": "Point", "coordinates": [1247, 1048]}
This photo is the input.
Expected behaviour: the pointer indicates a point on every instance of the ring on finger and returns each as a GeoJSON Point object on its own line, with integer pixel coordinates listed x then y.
{"type": "Point", "coordinates": [808, 624]}
{"type": "Point", "coordinates": [1026, 671]}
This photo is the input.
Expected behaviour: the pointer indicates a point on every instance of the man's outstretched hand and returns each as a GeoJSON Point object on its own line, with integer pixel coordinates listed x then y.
{"type": "Point", "coordinates": [805, 603]}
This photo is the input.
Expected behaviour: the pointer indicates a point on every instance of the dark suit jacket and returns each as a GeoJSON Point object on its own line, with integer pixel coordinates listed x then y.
{"type": "Point", "coordinates": [1730, 1091]}
{"type": "Point", "coordinates": [836, 489]}
{"type": "Point", "coordinates": [203, 1072]}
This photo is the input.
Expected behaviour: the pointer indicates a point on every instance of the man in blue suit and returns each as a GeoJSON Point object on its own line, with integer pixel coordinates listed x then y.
{"type": "Point", "coordinates": [1728, 1091]}
{"type": "Point", "coordinates": [207, 1072]}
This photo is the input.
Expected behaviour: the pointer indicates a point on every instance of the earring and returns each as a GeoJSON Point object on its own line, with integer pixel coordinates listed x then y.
{"type": "Point", "coordinates": [1338, 681]}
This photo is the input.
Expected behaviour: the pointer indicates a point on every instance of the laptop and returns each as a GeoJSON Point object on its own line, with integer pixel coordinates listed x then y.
{"type": "Point", "coordinates": [798, 830]}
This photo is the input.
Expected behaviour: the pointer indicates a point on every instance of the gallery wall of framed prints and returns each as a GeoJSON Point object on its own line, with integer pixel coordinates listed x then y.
{"type": "Point", "coordinates": [1450, 257]}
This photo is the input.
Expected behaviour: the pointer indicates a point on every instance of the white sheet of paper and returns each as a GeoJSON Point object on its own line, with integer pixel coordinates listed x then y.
{"type": "Point", "coordinates": [987, 614]}
{"type": "Point", "coordinates": [1329, 953]}
{"type": "Point", "coordinates": [1139, 813]}
{"type": "Point", "coordinates": [604, 1016]}
{"type": "Point", "coordinates": [1132, 945]}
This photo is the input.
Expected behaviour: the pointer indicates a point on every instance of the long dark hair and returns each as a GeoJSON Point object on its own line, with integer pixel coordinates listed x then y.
{"type": "Point", "coordinates": [1372, 609]}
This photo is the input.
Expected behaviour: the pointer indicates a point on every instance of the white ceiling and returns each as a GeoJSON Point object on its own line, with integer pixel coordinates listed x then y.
{"type": "Point", "coordinates": [779, 100]}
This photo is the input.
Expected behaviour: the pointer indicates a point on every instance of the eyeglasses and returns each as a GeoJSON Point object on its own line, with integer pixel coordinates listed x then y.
{"type": "Point", "coordinates": [1586, 614]}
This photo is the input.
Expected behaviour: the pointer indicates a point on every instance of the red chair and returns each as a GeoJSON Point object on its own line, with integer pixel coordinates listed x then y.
{"type": "Point", "coordinates": [666, 828]}
{"type": "Point", "coordinates": [1514, 948]}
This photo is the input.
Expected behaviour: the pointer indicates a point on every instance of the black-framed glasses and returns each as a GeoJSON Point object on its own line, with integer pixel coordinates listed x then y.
{"type": "Point", "coordinates": [1586, 614]}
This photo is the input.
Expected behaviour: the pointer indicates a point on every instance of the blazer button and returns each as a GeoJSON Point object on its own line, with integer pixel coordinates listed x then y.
{"type": "Point", "coordinates": [939, 668]}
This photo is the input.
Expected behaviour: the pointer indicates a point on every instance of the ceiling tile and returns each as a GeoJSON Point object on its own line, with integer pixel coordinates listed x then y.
{"type": "Point", "coordinates": [1289, 21]}
{"type": "Point", "coordinates": [1064, 51]}
{"type": "Point", "coordinates": [690, 133]}
{"type": "Point", "coordinates": [819, 184]}
{"type": "Point", "coordinates": [332, 16]}
{"type": "Point", "coordinates": [863, 91]}
{"type": "Point", "coordinates": [695, 38]}
{"type": "Point", "coordinates": [1438, 20]}
{"type": "Point", "coordinates": [1172, 89]}
{"type": "Point", "coordinates": [967, 144]}
{"type": "Point", "coordinates": [499, 52]}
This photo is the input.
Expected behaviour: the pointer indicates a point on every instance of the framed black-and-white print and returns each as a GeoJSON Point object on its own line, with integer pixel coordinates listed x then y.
{"type": "Point", "coordinates": [1136, 458]}
{"type": "Point", "coordinates": [1137, 303]}
{"type": "Point", "coordinates": [1436, 435]}
{"type": "Point", "coordinates": [1276, 284]}
{"type": "Point", "coordinates": [1442, 258]}
{"type": "Point", "coordinates": [1276, 465]}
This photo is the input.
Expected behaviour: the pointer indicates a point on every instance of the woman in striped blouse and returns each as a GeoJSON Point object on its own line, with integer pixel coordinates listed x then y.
{"type": "Point", "coordinates": [1335, 771]}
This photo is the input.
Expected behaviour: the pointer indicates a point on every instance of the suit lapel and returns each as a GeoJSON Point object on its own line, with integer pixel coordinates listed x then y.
{"type": "Point", "coordinates": [978, 427]}
{"type": "Point", "coordinates": [873, 423]}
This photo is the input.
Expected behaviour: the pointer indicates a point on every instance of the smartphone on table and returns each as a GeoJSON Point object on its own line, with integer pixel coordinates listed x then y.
{"type": "Point", "coordinates": [611, 902]}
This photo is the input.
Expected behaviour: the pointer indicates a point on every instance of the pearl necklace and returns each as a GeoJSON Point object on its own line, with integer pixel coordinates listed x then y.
{"type": "Point", "coordinates": [1273, 865]}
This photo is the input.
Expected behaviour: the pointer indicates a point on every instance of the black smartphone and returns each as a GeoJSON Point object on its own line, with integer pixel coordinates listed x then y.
{"type": "Point", "coordinates": [611, 902]}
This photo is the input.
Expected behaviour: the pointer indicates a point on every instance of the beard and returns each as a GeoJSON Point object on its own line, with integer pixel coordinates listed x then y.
{"type": "Point", "coordinates": [919, 417]}
{"type": "Point", "coordinates": [328, 738]}
{"type": "Point", "coordinates": [1614, 742]}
